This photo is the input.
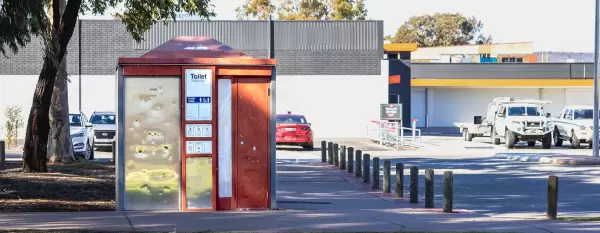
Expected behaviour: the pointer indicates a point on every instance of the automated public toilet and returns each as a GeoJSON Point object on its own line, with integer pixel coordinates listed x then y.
{"type": "Point", "coordinates": [195, 129]}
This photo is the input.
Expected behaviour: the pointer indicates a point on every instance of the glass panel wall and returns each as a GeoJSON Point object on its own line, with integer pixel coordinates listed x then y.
{"type": "Point", "coordinates": [198, 182]}
{"type": "Point", "coordinates": [152, 143]}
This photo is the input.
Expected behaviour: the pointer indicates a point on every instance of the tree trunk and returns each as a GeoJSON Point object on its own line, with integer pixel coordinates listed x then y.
{"type": "Point", "coordinates": [35, 149]}
{"type": "Point", "coordinates": [60, 136]}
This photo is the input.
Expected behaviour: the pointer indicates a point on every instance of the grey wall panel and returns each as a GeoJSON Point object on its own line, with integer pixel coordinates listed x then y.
{"type": "Point", "coordinates": [582, 70]}
{"type": "Point", "coordinates": [302, 47]}
{"type": "Point", "coordinates": [236, 34]}
{"type": "Point", "coordinates": [499, 71]}
{"type": "Point", "coordinates": [29, 60]}
{"type": "Point", "coordinates": [103, 42]}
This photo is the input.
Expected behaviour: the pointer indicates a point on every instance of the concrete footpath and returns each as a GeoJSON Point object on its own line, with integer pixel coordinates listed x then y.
{"type": "Point", "coordinates": [313, 198]}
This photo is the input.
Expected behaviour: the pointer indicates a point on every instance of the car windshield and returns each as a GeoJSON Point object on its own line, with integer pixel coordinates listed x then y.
{"type": "Point", "coordinates": [291, 119]}
{"type": "Point", "coordinates": [524, 111]}
{"type": "Point", "coordinates": [103, 119]}
{"type": "Point", "coordinates": [582, 114]}
{"type": "Point", "coordinates": [75, 120]}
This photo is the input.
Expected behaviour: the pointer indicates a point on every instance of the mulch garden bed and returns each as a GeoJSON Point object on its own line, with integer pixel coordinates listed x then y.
{"type": "Point", "coordinates": [65, 188]}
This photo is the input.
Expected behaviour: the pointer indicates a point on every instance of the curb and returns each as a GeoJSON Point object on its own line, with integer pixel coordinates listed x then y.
{"type": "Point", "coordinates": [557, 160]}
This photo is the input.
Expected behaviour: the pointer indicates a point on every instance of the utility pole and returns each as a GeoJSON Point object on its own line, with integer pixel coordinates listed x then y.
{"type": "Point", "coordinates": [596, 50]}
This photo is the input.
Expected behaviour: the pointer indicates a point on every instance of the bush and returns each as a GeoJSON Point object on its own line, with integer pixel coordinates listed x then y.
{"type": "Point", "coordinates": [14, 122]}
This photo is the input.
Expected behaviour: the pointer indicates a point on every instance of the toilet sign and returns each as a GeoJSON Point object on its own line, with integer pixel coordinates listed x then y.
{"type": "Point", "coordinates": [391, 111]}
{"type": "Point", "coordinates": [198, 94]}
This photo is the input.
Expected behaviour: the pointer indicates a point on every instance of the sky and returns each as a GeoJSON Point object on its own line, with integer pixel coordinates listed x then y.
{"type": "Point", "coordinates": [552, 25]}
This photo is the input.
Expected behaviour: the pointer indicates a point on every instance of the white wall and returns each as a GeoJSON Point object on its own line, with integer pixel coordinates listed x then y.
{"type": "Point", "coordinates": [557, 96]}
{"type": "Point", "coordinates": [580, 96]}
{"type": "Point", "coordinates": [98, 94]}
{"type": "Point", "coordinates": [448, 106]}
{"type": "Point", "coordinates": [337, 106]}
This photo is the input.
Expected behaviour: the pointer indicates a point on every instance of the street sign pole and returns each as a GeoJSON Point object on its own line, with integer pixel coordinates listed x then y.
{"type": "Point", "coordinates": [596, 50]}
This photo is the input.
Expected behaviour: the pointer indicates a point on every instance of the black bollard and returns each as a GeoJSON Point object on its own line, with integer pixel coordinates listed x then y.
{"type": "Point", "coordinates": [429, 188]}
{"type": "Point", "coordinates": [414, 184]}
{"type": "Point", "coordinates": [386, 176]}
{"type": "Point", "coordinates": [358, 163]}
{"type": "Point", "coordinates": [448, 191]}
{"type": "Point", "coordinates": [366, 174]}
{"type": "Point", "coordinates": [336, 154]}
{"type": "Point", "coordinates": [399, 180]}
{"type": "Point", "coordinates": [375, 173]}
{"type": "Point", "coordinates": [323, 151]}
{"type": "Point", "coordinates": [552, 209]}
{"type": "Point", "coordinates": [350, 165]}
{"type": "Point", "coordinates": [330, 153]}
{"type": "Point", "coordinates": [343, 157]}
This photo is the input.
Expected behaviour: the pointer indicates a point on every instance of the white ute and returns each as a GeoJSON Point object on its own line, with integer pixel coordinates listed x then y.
{"type": "Point", "coordinates": [514, 120]}
{"type": "Point", "coordinates": [574, 124]}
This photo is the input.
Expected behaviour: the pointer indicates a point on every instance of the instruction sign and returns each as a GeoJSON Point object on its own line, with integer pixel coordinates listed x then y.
{"type": "Point", "coordinates": [391, 111]}
{"type": "Point", "coordinates": [198, 130]}
{"type": "Point", "coordinates": [198, 147]}
{"type": "Point", "coordinates": [198, 94]}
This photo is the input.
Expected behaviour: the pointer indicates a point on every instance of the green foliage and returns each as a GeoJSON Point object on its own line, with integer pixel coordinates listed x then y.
{"type": "Point", "coordinates": [259, 9]}
{"type": "Point", "coordinates": [19, 21]}
{"type": "Point", "coordinates": [441, 29]}
{"type": "Point", "coordinates": [22, 19]}
{"type": "Point", "coordinates": [304, 10]}
{"type": "Point", "coordinates": [14, 122]}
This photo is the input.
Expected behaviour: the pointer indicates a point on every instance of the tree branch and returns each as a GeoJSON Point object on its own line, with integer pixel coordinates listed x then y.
{"type": "Point", "coordinates": [68, 22]}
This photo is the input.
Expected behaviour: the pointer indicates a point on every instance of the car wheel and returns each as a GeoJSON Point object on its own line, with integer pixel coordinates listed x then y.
{"type": "Point", "coordinates": [89, 152]}
{"type": "Point", "coordinates": [309, 147]}
{"type": "Point", "coordinates": [556, 135]}
{"type": "Point", "coordinates": [468, 136]}
{"type": "Point", "coordinates": [464, 132]}
{"type": "Point", "coordinates": [575, 143]}
{"type": "Point", "coordinates": [495, 139]}
{"type": "Point", "coordinates": [510, 139]}
{"type": "Point", "coordinates": [530, 143]}
{"type": "Point", "coordinates": [547, 142]}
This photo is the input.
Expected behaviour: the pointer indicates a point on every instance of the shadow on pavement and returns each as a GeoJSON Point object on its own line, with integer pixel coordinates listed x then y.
{"type": "Point", "coordinates": [502, 187]}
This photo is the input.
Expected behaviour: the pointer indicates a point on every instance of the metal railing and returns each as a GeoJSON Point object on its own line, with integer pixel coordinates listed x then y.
{"type": "Point", "coordinates": [393, 134]}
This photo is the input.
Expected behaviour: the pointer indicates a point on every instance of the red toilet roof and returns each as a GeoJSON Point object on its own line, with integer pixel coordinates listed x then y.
{"type": "Point", "coordinates": [194, 47]}
{"type": "Point", "coordinates": [195, 50]}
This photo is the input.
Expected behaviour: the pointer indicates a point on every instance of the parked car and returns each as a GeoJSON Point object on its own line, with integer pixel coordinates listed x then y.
{"type": "Point", "coordinates": [513, 120]}
{"type": "Point", "coordinates": [81, 135]}
{"type": "Point", "coordinates": [103, 124]}
{"type": "Point", "coordinates": [574, 124]}
{"type": "Point", "coordinates": [294, 130]}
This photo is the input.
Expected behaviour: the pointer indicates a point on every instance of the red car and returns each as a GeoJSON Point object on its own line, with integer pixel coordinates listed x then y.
{"type": "Point", "coordinates": [294, 130]}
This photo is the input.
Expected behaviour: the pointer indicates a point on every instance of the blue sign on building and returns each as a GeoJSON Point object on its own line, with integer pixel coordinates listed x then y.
{"type": "Point", "coordinates": [199, 100]}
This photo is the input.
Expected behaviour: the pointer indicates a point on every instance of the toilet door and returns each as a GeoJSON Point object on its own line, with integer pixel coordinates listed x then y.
{"type": "Point", "coordinates": [251, 150]}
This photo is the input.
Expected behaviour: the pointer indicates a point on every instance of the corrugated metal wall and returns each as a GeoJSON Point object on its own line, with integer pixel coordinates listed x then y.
{"type": "Point", "coordinates": [289, 35]}
{"type": "Point", "coordinates": [235, 34]}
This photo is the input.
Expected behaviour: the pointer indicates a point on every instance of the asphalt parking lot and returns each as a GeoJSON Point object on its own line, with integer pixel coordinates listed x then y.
{"type": "Point", "coordinates": [495, 187]}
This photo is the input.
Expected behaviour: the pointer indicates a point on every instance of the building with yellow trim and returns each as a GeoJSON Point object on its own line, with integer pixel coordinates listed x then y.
{"type": "Point", "coordinates": [440, 91]}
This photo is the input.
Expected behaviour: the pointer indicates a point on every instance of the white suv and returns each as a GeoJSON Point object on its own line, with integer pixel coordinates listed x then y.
{"type": "Point", "coordinates": [103, 124]}
{"type": "Point", "coordinates": [522, 122]}
{"type": "Point", "coordinates": [574, 124]}
{"type": "Point", "coordinates": [82, 135]}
